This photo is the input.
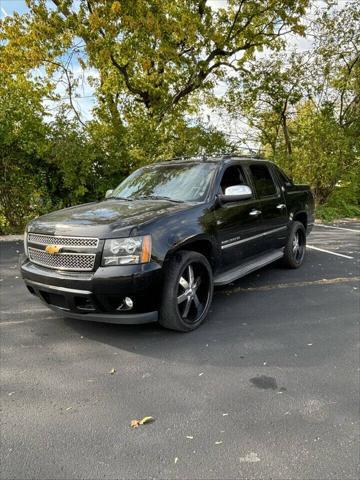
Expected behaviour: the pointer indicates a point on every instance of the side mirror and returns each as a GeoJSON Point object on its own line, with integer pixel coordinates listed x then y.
{"type": "Point", "coordinates": [108, 193]}
{"type": "Point", "coordinates": [236, 193]}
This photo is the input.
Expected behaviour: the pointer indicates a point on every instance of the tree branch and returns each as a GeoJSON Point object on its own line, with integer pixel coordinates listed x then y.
{"type": "Point", "coordinates": [70, 87]}
{"type": "Point", "coordinates": [134, 90]}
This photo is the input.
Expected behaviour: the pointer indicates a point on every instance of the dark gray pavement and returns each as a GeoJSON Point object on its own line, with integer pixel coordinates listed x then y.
{"type": "Point", "coordinates": [267, 388]}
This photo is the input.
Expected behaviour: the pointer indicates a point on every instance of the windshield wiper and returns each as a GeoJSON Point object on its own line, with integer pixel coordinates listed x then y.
{"type": "Point", "coordinates": [120, 198]}
{"type": "Point", "coordinates": [158, 197]}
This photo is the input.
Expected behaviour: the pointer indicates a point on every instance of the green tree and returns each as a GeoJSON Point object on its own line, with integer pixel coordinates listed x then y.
{"type": "Point", "coordinates": [149, 62]}
{"type": "Point", "coordinates": [22, 144]}
{"type": "Point", "coordinates": [322, 151]}
{"type": "Point", "coordinates": [304, 107]}
{"type": "Point", "coordinates": [149, 55]}
{"type": "Point", "coordinates": [267, 96]}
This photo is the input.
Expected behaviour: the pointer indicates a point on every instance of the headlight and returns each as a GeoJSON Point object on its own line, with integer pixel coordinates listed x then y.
{"type": "Point", "coordinates": [25, 243]}
{"type": "Point", "coordinates": [125, 251]}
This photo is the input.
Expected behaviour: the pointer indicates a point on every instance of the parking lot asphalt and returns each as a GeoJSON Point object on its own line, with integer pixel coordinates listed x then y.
{"type": "Point", "coordinates": [267, 388]}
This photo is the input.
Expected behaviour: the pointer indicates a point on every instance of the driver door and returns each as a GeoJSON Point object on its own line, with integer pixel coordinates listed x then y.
{"type": "Point", "coordinates": [238, 223]}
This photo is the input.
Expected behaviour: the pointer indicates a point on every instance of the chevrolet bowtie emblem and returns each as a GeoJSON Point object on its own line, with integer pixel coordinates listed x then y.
{"type": "Point", "coordinates": [52, 249]}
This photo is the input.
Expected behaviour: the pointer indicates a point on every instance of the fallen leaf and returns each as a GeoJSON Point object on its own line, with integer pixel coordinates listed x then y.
{"type": "Point", "coordinates": [135, 423]}
{"type": "Point", "coordinates": [146, 420]}
{"type": "Point", "coordinates": [112, 371]}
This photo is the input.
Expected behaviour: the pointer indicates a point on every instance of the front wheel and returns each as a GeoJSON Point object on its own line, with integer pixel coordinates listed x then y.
{"type": "Point", "coordinates": [188, 291]}
{"type": "Point", "coordinates": [294, 251]}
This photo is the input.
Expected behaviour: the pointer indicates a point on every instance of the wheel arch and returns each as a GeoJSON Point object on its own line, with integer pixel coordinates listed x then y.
{"type": "Point", "coordinates": [301, 217]}
{"type": "Point", "coordinates": [198, 244]}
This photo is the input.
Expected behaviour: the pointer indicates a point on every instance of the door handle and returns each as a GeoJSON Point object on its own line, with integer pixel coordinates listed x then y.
{"type": "Point", "coordinates": [255, 213]}
{"type": "Point", "coordinates": [281, 206]}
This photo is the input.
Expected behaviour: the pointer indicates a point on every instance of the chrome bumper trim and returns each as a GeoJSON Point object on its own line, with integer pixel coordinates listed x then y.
{"type": "Point", "coordinates": [43, 286]}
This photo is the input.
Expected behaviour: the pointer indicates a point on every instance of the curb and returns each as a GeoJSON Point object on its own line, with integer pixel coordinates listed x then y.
{"type": "Point", "coordinates": [11, 238]}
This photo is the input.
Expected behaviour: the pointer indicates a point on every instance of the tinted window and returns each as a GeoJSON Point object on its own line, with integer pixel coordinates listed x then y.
{"type": "Point", "coordinates": [264, 184]}
{"type": "Point", "coordinates": [232, 176]}
{"type": "Point", "coordinates": [284, 178]}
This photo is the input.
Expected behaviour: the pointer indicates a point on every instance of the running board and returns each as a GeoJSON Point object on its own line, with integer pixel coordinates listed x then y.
{"type": "Point", "coordinates": [242, 270]}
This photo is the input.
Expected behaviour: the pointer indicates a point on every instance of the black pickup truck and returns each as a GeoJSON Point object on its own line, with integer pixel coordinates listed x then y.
{"type": "Point", "coordinates": [154, 248]}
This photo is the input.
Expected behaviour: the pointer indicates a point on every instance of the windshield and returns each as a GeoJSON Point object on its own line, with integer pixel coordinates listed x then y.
{"type": "Point", "coordinates": [181, 183]}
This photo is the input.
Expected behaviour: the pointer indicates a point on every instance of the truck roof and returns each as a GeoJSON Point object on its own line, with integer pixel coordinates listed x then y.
{"type": "Point", "coordinates": [212, 159]}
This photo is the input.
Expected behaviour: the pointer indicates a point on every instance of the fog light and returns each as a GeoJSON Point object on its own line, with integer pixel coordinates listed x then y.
{"type": "Point", "coordinates": [127, 304]}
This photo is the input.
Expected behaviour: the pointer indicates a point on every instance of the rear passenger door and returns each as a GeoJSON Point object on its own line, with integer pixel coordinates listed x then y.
{"type": "Point", "coordinates": [274, 217]}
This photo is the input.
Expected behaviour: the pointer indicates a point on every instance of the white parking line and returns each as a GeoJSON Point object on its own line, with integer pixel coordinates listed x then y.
{"type": "Point", "coordinates": [337, 228]}
{"type": "Point", "coordinates": [26, 310]}
{"type": "Point", "coordinates": [328, 251]}
{"type": "Point", "coordinates": [16, 322]}
{"type": "Point", "coordinates": [4, 324]}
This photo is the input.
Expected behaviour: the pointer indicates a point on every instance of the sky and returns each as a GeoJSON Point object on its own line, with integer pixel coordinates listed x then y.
{"type": "Point", "coordinates": [87, 101]}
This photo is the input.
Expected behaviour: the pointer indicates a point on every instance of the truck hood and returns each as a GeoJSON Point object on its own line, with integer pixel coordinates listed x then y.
{"type": "Point", "coordinates": [103, 219]}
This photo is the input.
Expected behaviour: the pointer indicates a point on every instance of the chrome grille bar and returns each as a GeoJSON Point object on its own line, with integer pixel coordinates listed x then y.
{"type": "Point", "coordinates": [41, 239]}
{"type": "Point", "coordinates": [63, 261]}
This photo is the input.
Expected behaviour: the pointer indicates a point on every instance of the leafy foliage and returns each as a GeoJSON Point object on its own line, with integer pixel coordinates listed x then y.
{"type": "Point", "coordinates": [151, 65]}
{"type": "Point", "coordinates": [22, 136]}
{"type": "Point", "coordinates": [305, 107]}
{"type": "Point", "coordinates": [57, 163]}
{"type": "Point", "coordinates": [149, 55]}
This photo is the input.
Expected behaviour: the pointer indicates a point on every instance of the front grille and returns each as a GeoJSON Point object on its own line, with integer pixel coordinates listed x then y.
{"type": "Point", "coordinates": [41, 239]}
{"type": "Point", "coordinates": [63, 261]}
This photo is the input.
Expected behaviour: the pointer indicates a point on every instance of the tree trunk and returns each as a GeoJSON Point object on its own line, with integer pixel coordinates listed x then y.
{"type": "Point", "coordinates": [288, 145]}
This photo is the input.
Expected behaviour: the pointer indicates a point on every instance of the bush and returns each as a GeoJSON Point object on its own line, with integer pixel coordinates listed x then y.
{"type": "Point", "coordinates": [344, 201]}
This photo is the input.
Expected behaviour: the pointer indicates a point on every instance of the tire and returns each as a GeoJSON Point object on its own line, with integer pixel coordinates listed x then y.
{"type": "Point", "coordinates": [294, 251]}
{"type": "Point", "coordinates": [187, 293]}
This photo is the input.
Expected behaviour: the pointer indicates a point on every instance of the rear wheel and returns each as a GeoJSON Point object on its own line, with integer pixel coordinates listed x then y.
{"type": "Point", "coordinates": [294, 252]}
{"type": "Point", "coordinates": [188, 290]}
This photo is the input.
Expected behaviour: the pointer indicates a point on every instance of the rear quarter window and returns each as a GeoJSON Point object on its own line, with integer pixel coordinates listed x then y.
{"type": "Point", "coordinates": [284, 178]}
{"type": "Point", "coordinates": [263, 181]}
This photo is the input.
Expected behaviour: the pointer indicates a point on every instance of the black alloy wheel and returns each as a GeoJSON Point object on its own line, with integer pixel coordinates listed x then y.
{"type": "Point", "coordinates": [188, 290]}
{"type": "Point", "coordinates": [193, 292]}
{"type": "Point", "coordinates": [294, 252]}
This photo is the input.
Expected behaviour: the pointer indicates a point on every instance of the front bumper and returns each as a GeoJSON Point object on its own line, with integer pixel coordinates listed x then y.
{"type": "Point", "coordinates": [99, 296]}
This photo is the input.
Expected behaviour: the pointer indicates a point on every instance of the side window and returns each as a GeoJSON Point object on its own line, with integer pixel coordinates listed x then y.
{"type": "Point", "coordinates": [264, 184]}
{"type": "Point", "coordinates": [284, 178]}
{"type": "Point", "coordinates": [232, 176]}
